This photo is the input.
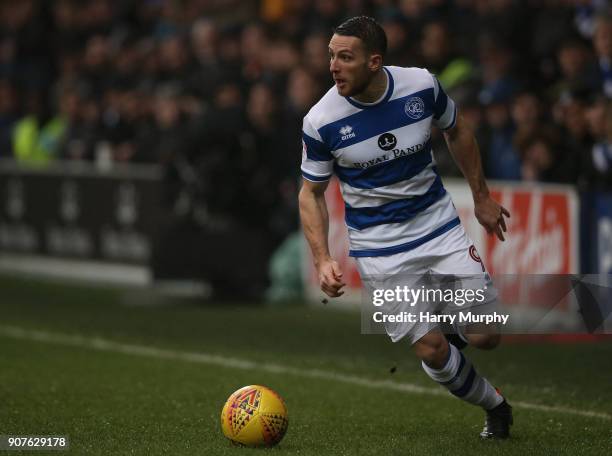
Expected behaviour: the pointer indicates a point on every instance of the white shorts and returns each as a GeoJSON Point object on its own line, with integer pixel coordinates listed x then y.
{"type": "Point", "coordinates": [448, 262]}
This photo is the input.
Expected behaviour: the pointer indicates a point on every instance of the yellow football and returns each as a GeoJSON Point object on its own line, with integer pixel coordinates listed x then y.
{"type": "Point", "coordinates": [254, 416]}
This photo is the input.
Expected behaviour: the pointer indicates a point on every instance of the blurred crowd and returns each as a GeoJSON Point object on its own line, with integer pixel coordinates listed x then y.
{"type": "Point", "coordinates": [215, 90]}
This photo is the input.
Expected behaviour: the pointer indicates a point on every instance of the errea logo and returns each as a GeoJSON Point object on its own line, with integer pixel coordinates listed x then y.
{"type": "Point", "coordinates": [346, 132]}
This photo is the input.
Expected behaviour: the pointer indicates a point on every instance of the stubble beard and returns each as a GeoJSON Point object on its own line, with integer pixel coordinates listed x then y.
{"type": "Point", "coordinates": [361, 87]}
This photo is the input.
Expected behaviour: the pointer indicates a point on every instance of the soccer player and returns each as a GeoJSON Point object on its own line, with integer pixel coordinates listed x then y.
{"type": "Point", "coordinates": [372, 130]}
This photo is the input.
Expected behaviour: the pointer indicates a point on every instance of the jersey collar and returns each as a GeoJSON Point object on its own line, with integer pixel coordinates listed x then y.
{"type": "Point", "coordinates": [384, 98]}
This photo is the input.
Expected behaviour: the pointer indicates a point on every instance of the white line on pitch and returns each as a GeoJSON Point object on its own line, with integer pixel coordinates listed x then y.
{"type": "Point", "coordinates": [205, 358]}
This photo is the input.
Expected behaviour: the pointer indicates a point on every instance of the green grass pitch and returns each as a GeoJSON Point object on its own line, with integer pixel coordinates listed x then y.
{"type": "Point", "coordinates": [120, 378]}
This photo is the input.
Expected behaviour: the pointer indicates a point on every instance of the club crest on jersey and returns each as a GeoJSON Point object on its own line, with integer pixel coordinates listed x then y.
{"type": "Point", "coordinates": [346, 132]}
{"type": "Point", "coordinates": [414, 108]}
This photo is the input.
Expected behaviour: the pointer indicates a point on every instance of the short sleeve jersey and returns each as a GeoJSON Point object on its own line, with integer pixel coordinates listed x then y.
{"type": "Point", "coordinates": [381, 154]}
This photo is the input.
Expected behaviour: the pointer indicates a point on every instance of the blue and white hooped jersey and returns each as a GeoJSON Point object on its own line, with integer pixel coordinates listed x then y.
{"type": "Point", "coordinates": [381, 154]}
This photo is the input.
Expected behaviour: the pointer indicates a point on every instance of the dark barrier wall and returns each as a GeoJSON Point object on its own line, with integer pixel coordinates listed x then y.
{"type": "Point", "coordinates": [75, 211]}
{"type": "Point", "coordinates": [80, 213]}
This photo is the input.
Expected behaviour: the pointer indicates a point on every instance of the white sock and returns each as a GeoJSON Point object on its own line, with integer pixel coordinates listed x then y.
{"type": "Point", "coordinates": [461, 379]}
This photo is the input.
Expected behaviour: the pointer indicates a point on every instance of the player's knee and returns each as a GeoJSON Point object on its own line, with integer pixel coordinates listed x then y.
{"type": "Point", "coordinates": [484, 341]}
{"type": "Point", "coordinates": [433, 352]}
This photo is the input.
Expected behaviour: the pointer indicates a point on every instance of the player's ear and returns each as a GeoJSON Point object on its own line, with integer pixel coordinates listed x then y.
{"type": "Point", "coordinates": [375, 62]}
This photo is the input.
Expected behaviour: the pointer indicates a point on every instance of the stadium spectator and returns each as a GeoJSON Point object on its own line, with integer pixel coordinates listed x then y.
{"type": "Point", "coordinates": [253, 43]}
{"type": "Point", "coordinates": [212, 158]}
{"type": "Point", "coordinates": [544, 159]}
{"type": "Point", "coordinates": [126, 62]}
{"type": "Point", "coordinates": [38, 136]}
{"type": "Point", "coordinates": [596, 117]}
{"type": "Point", "coordinates": [598, 170]}
{"type": "Point", "coordinates": [602, 42]}
{"type": "Point", "coordinates": [314, 50]}
{"type": "Point", "coordinates": [68, 34]}
{"type": "Point", "coordinates": [25, 49]}
{"type": "Point", "coordinates": [502, 160]}
{"type": "Point", "coordinates": [398, 41]}
{"type": "Point", "coordinates": [84, 133]}
{"type": "Point", "coordinates": [302, 91]}
{"type": "Point", "coordinates": [8, 116]}
{"type": "Point", "coordinates": [527, 114]}
{"type": "Point", "coordinates": [175, 65]}
{"type": "Point", "coordinates": [575, 138]}
{"type": "Point", "coordinates": [439, 57]}
{"type": "Point", "coordinates": [166, 134]}
{"type": "Point", "coordinates": [95, 67]}
{"type": "Point", "coordinates": [496, 67]}
{"type": "Point", "coordinates": [263, 159]}
{"type": "Point", "coordinates": [124, 122]}
{"type": "Point", "coordinates": [585, 14]}
{"type": "Point", "coordinates": [578, 72]}
{"type": "Point", "coordinates": [326, 14]}
{"type": "Point", "coordinates": [208, 68]}
{"type": "Point", "coordinates": [279, 58]}
{"type": "Point", "coordinates": [538, 159]}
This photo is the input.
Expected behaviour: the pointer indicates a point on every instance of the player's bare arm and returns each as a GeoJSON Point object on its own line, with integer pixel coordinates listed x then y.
{"type": "Point", "coordinates": [464, 149]}
{"type": "Point", "coordinates": [315, 222]}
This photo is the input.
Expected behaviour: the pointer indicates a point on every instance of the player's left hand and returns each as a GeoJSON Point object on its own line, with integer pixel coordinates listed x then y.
{"type": "Point", "coordinates": [490, 215]}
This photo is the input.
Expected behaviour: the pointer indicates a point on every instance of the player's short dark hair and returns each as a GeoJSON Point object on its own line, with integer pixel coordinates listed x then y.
{"type": "Point", "coordinates": [367, 30]}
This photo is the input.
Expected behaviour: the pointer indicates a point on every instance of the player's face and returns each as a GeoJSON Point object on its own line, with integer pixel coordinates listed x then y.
{"type": "Point", "coordinates": [349, 64]}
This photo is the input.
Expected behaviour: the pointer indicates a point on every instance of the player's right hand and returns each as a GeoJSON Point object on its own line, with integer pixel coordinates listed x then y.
{"type": "Point", "coordinates": [491, 215]}
{"type": "Point", "coordinates": [330, 278]}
